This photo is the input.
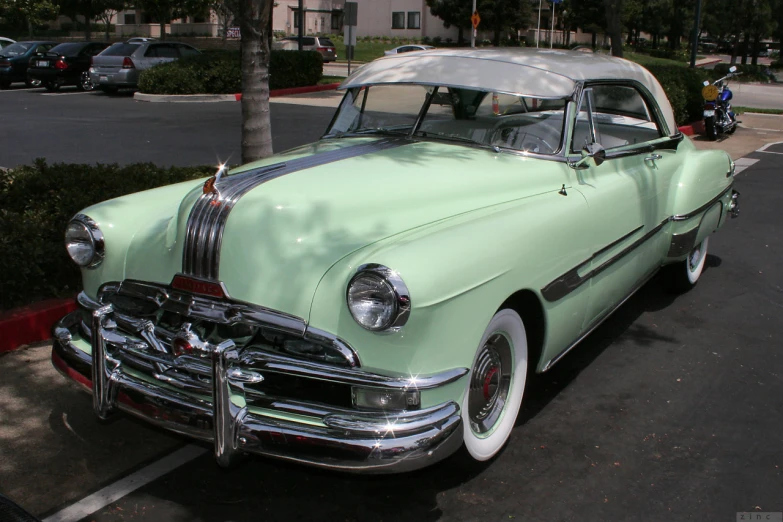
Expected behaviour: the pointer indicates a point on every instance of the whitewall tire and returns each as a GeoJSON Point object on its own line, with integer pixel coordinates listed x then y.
{"type": "Point", "coordinates": [695, 262]}
{"type": "Point", "coordinates": [496, 385]}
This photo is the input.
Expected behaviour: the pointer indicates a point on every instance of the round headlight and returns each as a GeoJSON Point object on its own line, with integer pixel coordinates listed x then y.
{"type": "Point", "coordinates": [378, 299]}
{"type": "Point", "coordinates": [84, 241]}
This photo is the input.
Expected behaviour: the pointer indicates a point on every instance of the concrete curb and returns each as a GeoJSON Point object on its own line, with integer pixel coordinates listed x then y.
{"type": "Point", "coordinates": [31, 324]}
{"type": "Point", "coordinates": [216, 98]}
{"type": "Point", "coordinates": [697, 127]}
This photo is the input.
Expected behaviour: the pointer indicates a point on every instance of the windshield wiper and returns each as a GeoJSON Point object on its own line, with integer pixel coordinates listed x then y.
{"type": "Point", "coordinates": [449, 137]}
{"type": "Point", "coordinates": [365, 132]}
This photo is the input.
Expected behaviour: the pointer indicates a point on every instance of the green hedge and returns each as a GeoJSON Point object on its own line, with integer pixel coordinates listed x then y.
{"type": "Point", "coordinates": [750, 73]}
{"type": "Point", "coordinates": [220, 72]}
{"type": "Point", "coordinates": [683, 88]}
{"type": "Point", "coordinates": [36, 203]}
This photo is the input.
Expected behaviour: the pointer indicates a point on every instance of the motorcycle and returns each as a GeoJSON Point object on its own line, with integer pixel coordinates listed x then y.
{"type": "Point", "coordinates": [718, 116]}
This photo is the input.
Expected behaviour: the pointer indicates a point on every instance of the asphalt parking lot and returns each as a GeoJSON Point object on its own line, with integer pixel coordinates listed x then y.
{"type": "Point", "coordinates": [671, 410]}
{"type": "Point", "coordinates": [77, 127]}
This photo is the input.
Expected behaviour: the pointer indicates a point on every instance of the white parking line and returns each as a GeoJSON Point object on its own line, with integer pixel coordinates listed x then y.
{"type": "Point", "coordinates": [743, 163]}
{"type": "Point", "coordinates": [19, 90]}
{"type": "Point", "coordinates": [65, 93]}
{"type": "Point", "coordinates": [112, 493]}
{"type": "Point", "coordinates": [768, 145]}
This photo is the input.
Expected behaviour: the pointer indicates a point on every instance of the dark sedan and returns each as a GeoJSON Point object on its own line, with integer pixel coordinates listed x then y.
{"type": "Point", "coordinates": [65, 64]}
{"type": "Point", "coordinates": [15, 58]}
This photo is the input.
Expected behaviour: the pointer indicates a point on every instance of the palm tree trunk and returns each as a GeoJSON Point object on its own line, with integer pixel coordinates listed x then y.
{"type": "Point", "coordinates": [254, 22]}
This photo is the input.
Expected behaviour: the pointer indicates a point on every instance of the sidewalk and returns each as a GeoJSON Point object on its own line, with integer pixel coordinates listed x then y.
{"type": "Point", "coordinates": [754, 132]}
{"type": "Point", "coordinates": [52, 447]}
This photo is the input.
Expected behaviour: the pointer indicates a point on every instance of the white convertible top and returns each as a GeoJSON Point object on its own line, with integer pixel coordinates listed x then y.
{"type": "Point", "coordinates": [541, 73]}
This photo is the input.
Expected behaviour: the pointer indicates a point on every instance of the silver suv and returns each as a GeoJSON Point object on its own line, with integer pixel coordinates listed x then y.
{"type": "Point", "coordinates": [309, 43]}
{"type": "Point", "coordinates": [120, 65]}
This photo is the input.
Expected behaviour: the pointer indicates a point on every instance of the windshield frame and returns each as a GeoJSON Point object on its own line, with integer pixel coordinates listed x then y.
{"type": "Point", "coordinates": [350, 96]}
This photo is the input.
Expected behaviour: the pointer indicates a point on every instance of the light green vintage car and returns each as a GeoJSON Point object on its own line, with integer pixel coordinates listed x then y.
{"type": "Point", "coordinates": [375, 300]}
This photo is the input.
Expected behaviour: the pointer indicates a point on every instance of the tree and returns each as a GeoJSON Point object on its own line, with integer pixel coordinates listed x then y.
{"type": "Point", "coordinates": [614, 9]}
{"type": "Point", "coordinates": [453, 13]}
{"type": "Point", "coordinates": [29, 12]}
{"type": "Point", "coordinates": [106, 10]}
{"type": "Point", "coordinates": [590, 15]}
{"type": "Point", "coordinates": [224, 10]}
{"type": "Point", "coordinates": [164, 11]}
{"type": "Point", "coordinates": [255, 24]}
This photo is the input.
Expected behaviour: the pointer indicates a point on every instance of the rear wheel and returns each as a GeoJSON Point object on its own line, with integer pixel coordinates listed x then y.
{"type": "Point", "coordinates": [709, 128]}
{"type": "Point", "coordinates": [32, 83]}
{"type": "Point", "coordinates": [85, 84]}
{"type": "Point", "coordinates": [495, 386]}
{"type": "Point", "coordinates": [684, 275]}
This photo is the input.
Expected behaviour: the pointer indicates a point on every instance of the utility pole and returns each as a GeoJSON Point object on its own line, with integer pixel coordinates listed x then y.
{"type": "Point", "coordinates": [301, 24]}
{"type": "Point", "coordinates": [538, 30]}
{"type": "Point", "coordinates": [695, 45]}
{"type": "Point", "coordinates": [473, 29]}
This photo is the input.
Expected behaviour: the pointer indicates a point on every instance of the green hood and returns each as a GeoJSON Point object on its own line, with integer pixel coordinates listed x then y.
{"type": "Point", "coordinates": [283, 236]}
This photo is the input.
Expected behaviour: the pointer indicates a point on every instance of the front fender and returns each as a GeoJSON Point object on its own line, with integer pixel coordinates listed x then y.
{"type": "Point", "coordinates": [459, 271]}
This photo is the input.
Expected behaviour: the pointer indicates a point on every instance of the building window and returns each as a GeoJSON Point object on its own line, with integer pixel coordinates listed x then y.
{"type": "Point", "coordinates": [130, 18]}
{"type": "Point", "coordinates": [337, 21]}
{"type": "Point", "coordinates": [398, 20]}
{"type": "Point", "coordinates": [414, 19]}
{"type": "Point", "coordinates": [296, 19]}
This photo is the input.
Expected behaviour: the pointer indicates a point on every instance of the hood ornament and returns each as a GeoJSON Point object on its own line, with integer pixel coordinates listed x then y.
{"type": "Point", "coordinates": [210, 186]}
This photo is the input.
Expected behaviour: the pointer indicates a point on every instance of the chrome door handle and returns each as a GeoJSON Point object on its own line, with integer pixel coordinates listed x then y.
{"type": "Point", "coordinates": [653, 157]}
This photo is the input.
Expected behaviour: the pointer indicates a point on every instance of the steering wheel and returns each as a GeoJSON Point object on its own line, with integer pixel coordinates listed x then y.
{"type": "Point", "coordinates": [517, 137]}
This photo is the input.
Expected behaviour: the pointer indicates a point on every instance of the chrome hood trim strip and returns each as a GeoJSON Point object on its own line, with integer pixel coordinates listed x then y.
{"type": "Point", "coordinates": [208, 217]}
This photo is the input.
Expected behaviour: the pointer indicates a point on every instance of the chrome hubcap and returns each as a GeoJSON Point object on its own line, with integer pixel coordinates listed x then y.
{"type": "Point", "coordinates": [489, 384]}
{"type": "Point", "coordinates": [694, 258]}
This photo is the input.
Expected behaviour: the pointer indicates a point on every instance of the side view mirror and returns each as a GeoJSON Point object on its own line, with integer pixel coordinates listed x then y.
{"type": "Point", "coordinates": [591, 151]}
{"type": "Point", "coordinates": [733, 68]}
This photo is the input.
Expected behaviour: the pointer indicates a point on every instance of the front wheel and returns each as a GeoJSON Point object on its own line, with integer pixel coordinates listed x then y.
{"type": "Point", "coordinates": [495, 386]}
{"type": "Point", "coordinates": [51, 86]}
{"type": "Point", "coordinates": [32, 83]}
{"type": "Point", "coordinates": [709, 128]}
{"type": "Point", "coordinates": [684, 275]}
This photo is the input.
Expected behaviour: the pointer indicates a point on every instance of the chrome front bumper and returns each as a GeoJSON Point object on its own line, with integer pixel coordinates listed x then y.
{"type": "Point", "coordinates": [327, 436]}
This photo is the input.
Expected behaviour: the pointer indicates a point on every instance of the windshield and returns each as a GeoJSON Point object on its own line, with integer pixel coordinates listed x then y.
{"type": "Point", "coordinates": [482, 118]}
{"type": "Point", "coordinates": [16, 49]}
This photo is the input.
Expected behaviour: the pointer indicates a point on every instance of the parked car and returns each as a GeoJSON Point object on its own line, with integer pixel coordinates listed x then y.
{"type": "Point", "coordinates": [119, 65]}
{"type": "Point", "coordinates": [373, 301]}
{"type": "Point", "coordinates": [407, 48]}
{"type": "Point", "coordinates": [5, 42]}
{"type": "Point", "coordinates": [15, 59]}
{"type": "Point", "coordinates": [65, 64]}
{"type": "Point", "coordinates": [708, 45]}
{"type": "Point", "coordinates": [309, 43]}
{"type": "Point", "coordinates": [141, 39]}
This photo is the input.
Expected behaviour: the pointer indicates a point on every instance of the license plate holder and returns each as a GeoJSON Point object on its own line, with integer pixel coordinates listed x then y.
{"type": "Point", "coordinates": [42, 63]}
{"type": "Point", "coordinates": [103, 79]}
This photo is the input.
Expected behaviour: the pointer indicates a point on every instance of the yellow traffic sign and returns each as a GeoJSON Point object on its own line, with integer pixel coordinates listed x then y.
{"type": "Point", "coordinates": [475, 19]}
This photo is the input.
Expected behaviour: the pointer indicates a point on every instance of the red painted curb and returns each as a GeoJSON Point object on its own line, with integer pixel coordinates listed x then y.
{"type": "Point", "coordinates": [31, 324]}
{"type": "Point", "coordinates": [297, 90]}
{"type": "Point", "coordinates": [697, 127]}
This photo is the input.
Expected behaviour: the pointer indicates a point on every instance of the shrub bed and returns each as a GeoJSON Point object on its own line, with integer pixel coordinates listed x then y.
{"type": "Point", "coordinates": [683, 88]}
{"type": "Point", "coordinates": [36, 203]}
{"type": "Point", "coordinates": [220, 72]}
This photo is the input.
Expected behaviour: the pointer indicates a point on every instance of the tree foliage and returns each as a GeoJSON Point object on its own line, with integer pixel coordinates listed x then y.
{"type": "Point", "coordinates": [497, 16]}
{"type": "Point", "coordinates": [28, 12]}
{"type": "Point", "coordinates": [164, 11]}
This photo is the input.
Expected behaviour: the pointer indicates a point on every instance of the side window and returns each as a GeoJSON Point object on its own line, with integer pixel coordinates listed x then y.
{"type": "Point", "coordinates": [614, 116]}
{"type": "Point", "coordinates": [308, 41]}
{"type": "Point", "coordinates": [152, 51]}
{"type": "Point", "coordinates": [185, 50]}
{"type": "Point", "coordinates": [43, 48]}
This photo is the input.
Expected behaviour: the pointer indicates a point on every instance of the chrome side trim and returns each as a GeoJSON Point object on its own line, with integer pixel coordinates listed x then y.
{"type": "Point", "coordinates": [571, 280]}
{"type": "Point", "coordinates": [208, 217]}
{"type": "Point", "coordinates": [683, 217]}
{"type": "Point", "coordinates": [597, 323]}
